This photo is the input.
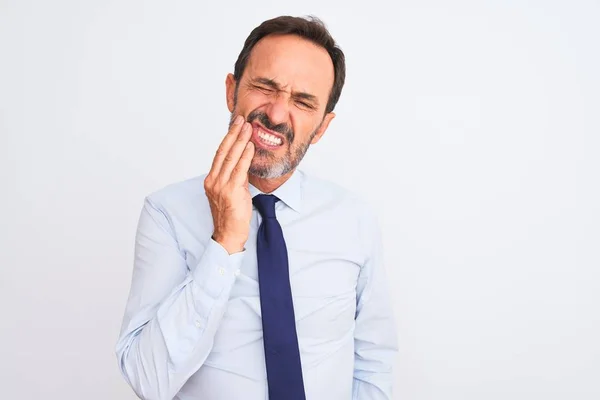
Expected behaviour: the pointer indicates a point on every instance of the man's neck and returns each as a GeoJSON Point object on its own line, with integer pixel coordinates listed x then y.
{"type": "Point", "coordinates": [269, 185]}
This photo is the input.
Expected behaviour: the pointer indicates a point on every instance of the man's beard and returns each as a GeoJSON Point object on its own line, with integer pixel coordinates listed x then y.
{"type": "Point", "coordinates": [275, 167]}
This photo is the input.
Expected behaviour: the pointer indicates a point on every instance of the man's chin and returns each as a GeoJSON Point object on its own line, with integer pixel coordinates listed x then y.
{"type": "Point", "coordinates": [262, 172]}
{"type": "Point", "coordinates": [267, 170]}
{"type": "Point", "coordinates": [262, 152]}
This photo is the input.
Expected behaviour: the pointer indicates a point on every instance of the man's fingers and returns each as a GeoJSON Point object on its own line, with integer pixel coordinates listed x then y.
{"type": "Point", "coordinates": [235, 152]}
{"type": "Point", "coordinates": [225, 145]}
{"type": "Point", "coordinates": [240, 172]}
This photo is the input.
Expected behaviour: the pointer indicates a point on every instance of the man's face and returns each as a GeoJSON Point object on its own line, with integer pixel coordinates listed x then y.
{"type": "Point", "coordinates": [283, 93]}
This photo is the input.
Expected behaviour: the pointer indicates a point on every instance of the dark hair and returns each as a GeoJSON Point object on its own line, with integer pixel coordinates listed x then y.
{"type": "Point", "coordinates": [310, 28]}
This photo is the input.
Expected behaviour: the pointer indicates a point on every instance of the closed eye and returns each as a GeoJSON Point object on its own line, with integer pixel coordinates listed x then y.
{"type": "Point", "coordinates": [264, 89]}
{"type": "Point", "coordinates": [305, 104]}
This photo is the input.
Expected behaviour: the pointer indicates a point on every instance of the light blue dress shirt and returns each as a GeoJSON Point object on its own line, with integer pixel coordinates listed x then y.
{"type": "Point", "coordinates": [192, 325]}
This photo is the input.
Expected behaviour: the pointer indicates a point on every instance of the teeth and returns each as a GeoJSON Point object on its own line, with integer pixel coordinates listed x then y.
{"type": "Point", "coordinates": [270, 139]}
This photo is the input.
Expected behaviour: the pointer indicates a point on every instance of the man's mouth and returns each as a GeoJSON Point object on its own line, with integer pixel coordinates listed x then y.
{"type": "Point", "coordinates": [265, 138]}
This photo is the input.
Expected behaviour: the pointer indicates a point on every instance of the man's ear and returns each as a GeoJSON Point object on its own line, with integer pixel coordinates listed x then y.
{"type": "Point", "coordinates": [323, 127]}
{"type": "Point", "coordinates": [230, 84]}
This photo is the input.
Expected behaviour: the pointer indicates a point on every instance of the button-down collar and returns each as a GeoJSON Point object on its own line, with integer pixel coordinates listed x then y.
{"type": "Point", "coordinates": [290, 192]}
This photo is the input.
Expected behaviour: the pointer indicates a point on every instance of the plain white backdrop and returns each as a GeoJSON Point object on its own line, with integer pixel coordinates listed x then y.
{"type": "Point", "coordinates": [473, 125]}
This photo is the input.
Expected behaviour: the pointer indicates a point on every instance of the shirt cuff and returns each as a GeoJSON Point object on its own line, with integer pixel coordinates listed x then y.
{"type": "Point", "coordinates": [217, 269]}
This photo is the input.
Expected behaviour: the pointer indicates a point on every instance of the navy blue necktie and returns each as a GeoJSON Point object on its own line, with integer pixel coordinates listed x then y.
{"type": "Point", "coordinates": [282, 356]}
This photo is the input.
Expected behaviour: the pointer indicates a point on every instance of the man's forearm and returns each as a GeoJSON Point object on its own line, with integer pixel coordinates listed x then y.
{"type": "Point", "coordinates": [166, 338]}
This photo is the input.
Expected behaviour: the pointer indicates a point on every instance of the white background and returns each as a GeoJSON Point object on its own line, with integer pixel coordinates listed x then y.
{"type": "Point", "coordinates": [473, 126]}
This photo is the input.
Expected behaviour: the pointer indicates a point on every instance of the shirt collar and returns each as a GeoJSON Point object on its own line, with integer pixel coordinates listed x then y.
{"type": "Point", "coordinates": [290, 192]}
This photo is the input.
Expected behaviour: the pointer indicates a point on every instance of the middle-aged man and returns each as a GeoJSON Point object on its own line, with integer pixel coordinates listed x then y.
{"type": "Point", "coordinates": [256, 280]}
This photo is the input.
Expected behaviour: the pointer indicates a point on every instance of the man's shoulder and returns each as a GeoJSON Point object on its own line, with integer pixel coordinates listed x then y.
{"type": "Point", "coordinates": [350, 208]}
{"type": "Point", "coordinates": [321, 190]}
{"type": "Point", "coordinates": [179, 193]}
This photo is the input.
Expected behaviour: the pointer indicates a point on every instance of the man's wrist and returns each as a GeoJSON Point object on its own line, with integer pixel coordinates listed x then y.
{"type": "Point", "coordinates": [232, 246]}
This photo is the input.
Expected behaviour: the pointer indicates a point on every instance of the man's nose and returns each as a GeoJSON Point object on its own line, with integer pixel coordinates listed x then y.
{"type": "Point", "coordinates": [279, 109]}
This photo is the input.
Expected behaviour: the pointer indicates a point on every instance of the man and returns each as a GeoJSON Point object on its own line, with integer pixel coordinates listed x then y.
{"type": "Point", "coordinates": [256, 280]}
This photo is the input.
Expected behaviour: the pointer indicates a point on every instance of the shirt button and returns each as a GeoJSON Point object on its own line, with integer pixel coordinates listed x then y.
{"type": "Point", "coordinates": [198, 324]}
{"type": "Point", "coordinates": [222, 271]}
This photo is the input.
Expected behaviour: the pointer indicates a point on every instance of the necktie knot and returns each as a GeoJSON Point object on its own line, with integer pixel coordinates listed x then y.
{"type": "Point", "coordinates": [265, 204]}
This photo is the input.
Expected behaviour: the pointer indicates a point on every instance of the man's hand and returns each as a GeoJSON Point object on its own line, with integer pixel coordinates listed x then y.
{"type": "Point", "coordinates": [226, 187]}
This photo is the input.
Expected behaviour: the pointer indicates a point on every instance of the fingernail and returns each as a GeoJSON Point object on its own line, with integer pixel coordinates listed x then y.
{"type": "Point", "coordinates": [238, 120]}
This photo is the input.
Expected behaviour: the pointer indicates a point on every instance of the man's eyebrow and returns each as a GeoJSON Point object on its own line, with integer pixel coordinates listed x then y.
{"type": "Point", "coordinates": [298, 95]}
